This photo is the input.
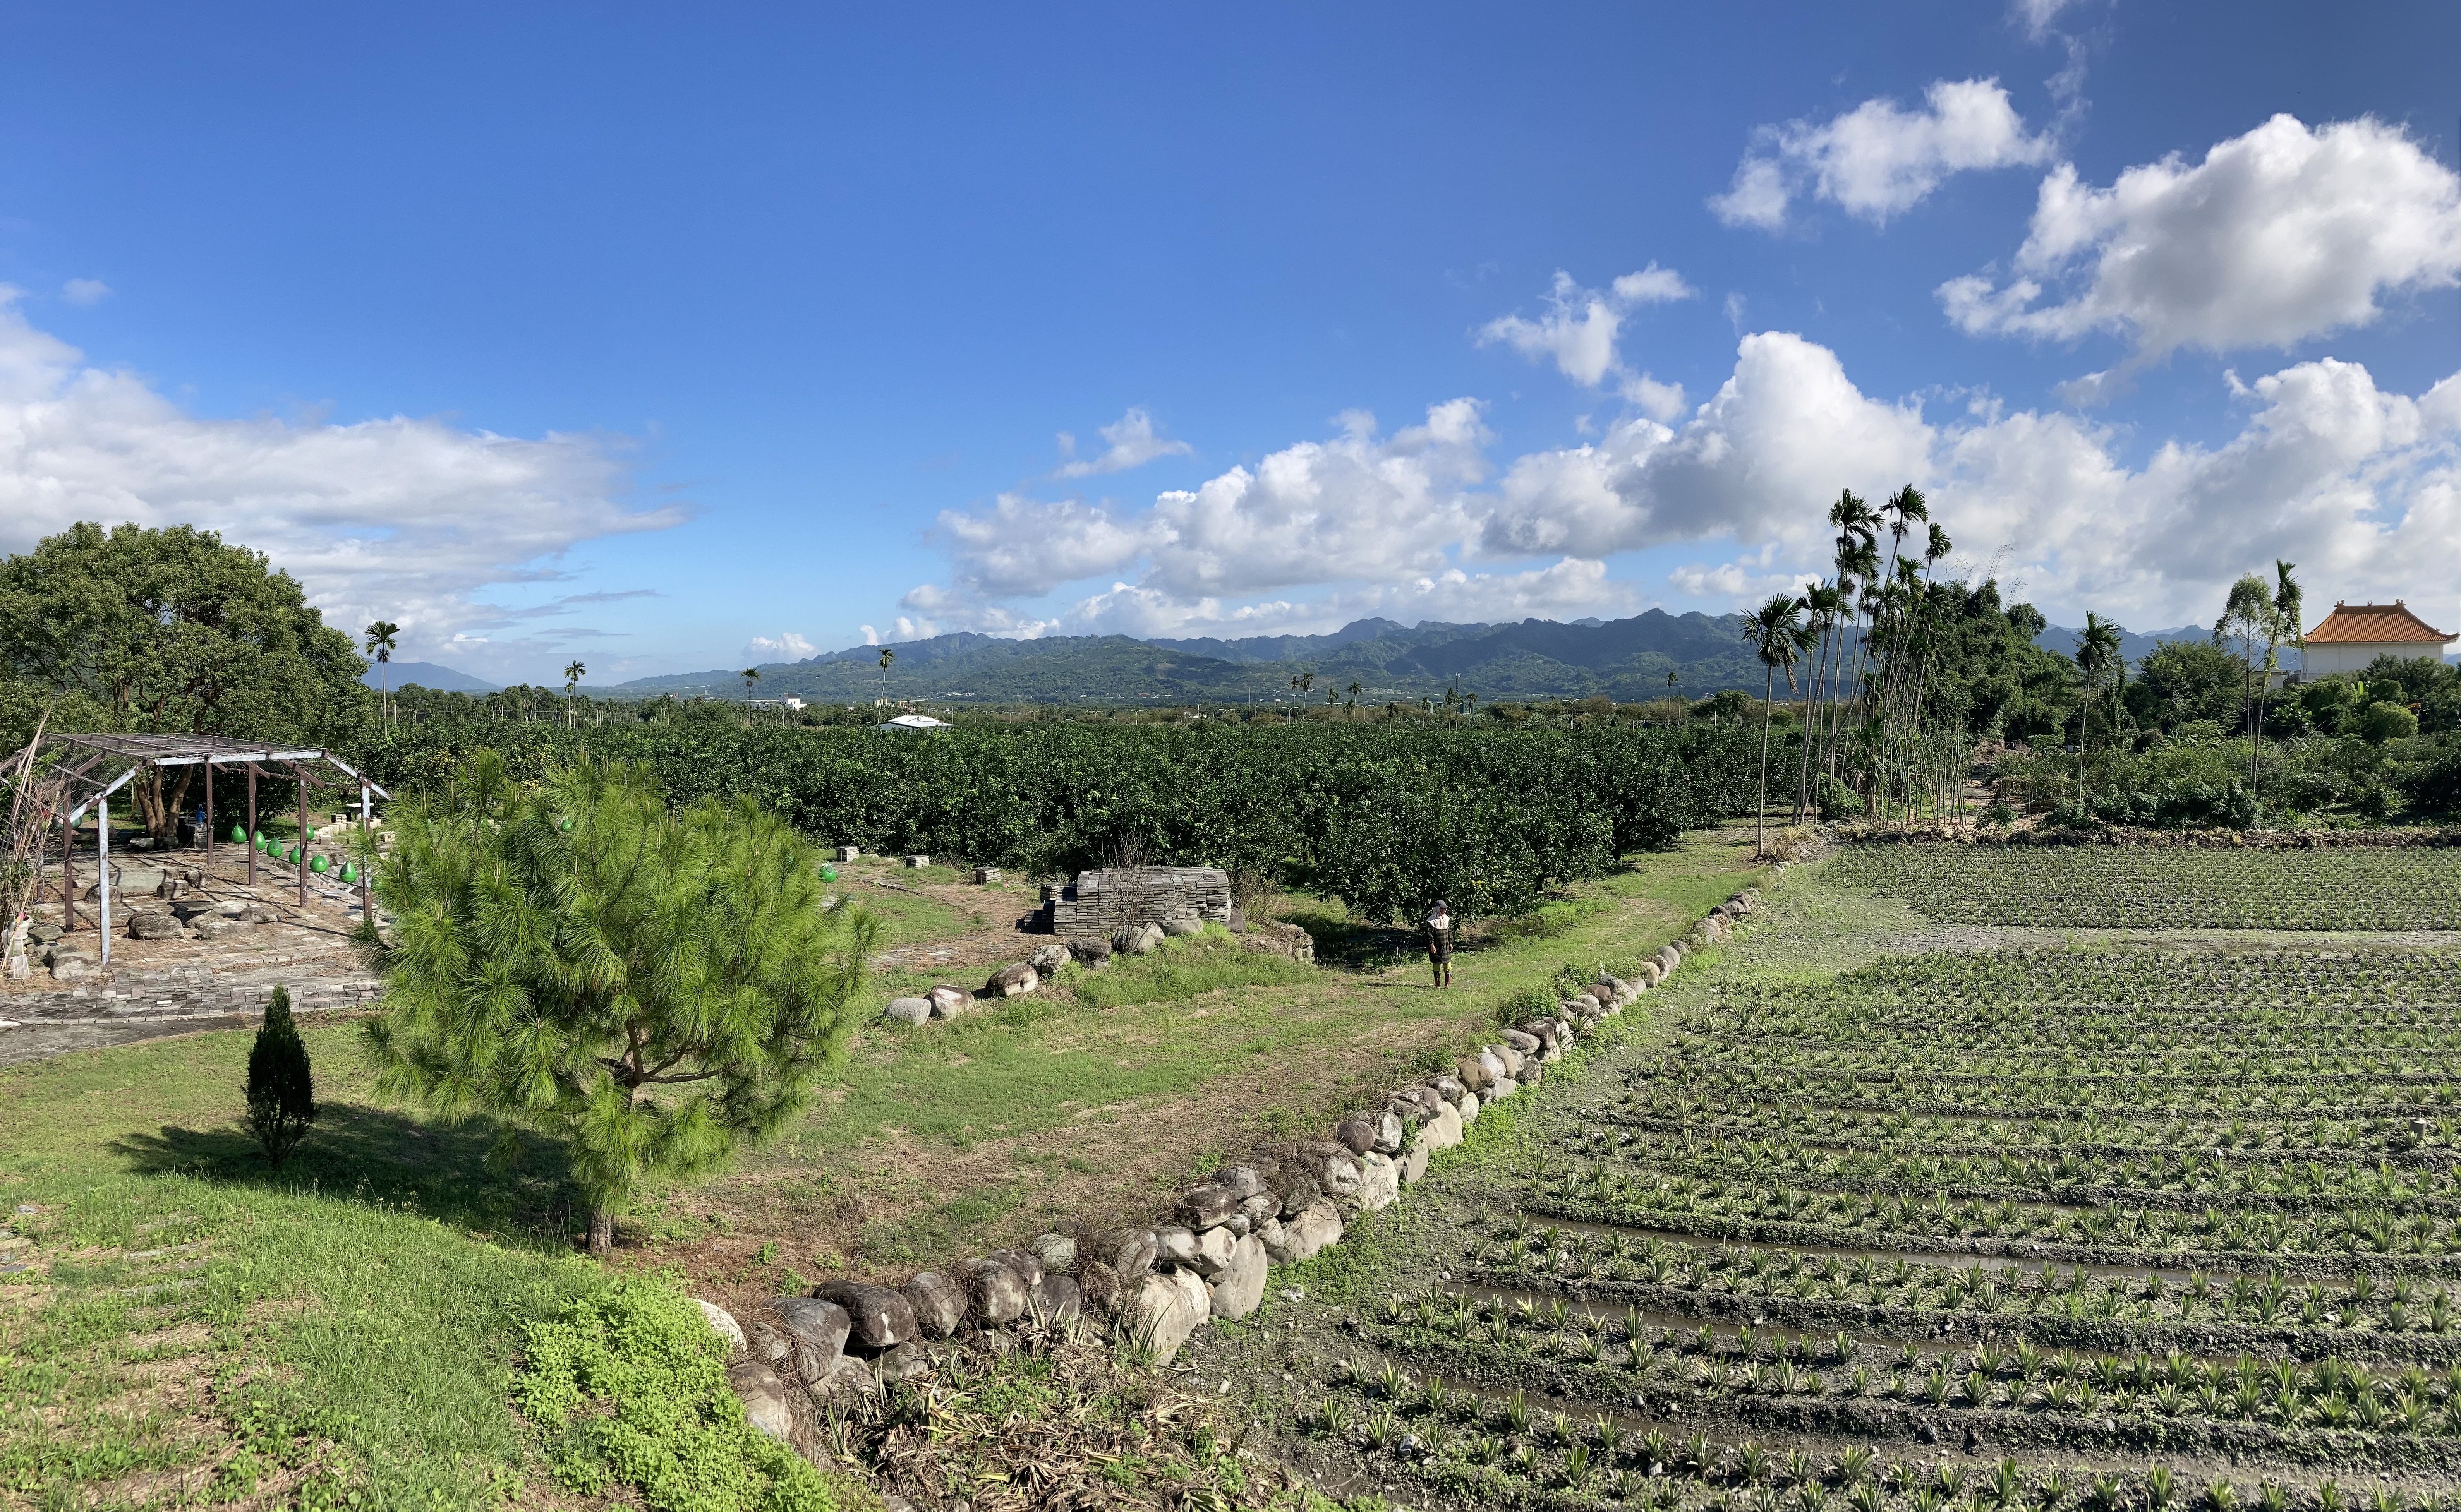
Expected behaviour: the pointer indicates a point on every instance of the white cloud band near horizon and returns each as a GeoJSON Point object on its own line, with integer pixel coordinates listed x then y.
{"type": "Point", "coordinates": [407, 519]}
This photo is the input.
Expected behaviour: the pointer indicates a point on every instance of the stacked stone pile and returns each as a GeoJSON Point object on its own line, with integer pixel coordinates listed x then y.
{"type": "Point", "coordinates": [1208, 1259]}
{"type": "Point", "coordinates": [1099, 903]}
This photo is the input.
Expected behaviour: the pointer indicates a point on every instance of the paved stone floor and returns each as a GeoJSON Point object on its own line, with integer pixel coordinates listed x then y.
{"type": "Point", "coordinates": [175, 987]}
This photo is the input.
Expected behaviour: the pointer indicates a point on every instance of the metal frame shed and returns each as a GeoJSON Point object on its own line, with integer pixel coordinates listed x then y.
{"type": "Point", "coordinates": [93, 767]}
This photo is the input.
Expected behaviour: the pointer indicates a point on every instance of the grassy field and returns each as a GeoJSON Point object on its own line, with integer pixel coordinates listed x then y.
{"type": "Point", "coordinates": [1851, 1219]}
{"type": "Point", "coordinates": [1105, 1090]}
{"type": "Point", "coordinates": [191, 1327]}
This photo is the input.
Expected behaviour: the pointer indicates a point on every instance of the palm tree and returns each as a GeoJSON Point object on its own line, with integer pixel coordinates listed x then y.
{"type": "Point", "coordinates": [1823, 600]}
{"type": "Point", "coordinates": [2288, 619]}
{"type": "Point", "coordinates": [749, 675]}
{"type": "Point", "coordinates": [380, 644]}
{"type": "Point", "coordinates": [2097, 657]}
{"type": "Point", "coordinates": [886, 657]}
{"type": "Point", "coordinates": [1858, 560]}
{"type": "Point", "coordinates": [573, 672]}
{"type": "Point", "coordinates": [1355, 689]}
{"type": "Point", "coordinates": [1776, 634]}
{"type": "Point", "coordinates": [2250, 619]}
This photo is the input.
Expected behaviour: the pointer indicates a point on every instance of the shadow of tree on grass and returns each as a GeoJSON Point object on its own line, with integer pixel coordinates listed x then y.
{"type": "Point", "coordinates": [439, 1170]}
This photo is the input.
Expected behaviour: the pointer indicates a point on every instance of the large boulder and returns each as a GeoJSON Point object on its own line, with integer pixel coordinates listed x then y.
{"type": "Point", "coordinates": [1028, 1267]}
{"type": "Point", "coordinates": [1357, 1134]}
{"type": "Point", "coordinates": [994, 1294]}
{"type": "Point", "coordinates": [1243, 1181]}
{"type": "Point", "coordinates": [910, 1009]}
{"type": "Point", "coordinates": [1379, 1182]}
{"type": "Point", "coordinates": [1057, 1300]}
{"type": "Point", "coordinates": [1239, 1287]}
{"type": "Point", "coordinates": [1014, 980]}
{"type": "Point", "coordinates": [881, 1319]}
{"type": "Point", "coordinates": [1281, 939]}
{"type": "Point", "coordinates": [1470, 1103]}
{"type": "Point", "coordinates": [155, 924]}
{"type": "Point", "coordinates": [1207, 1207]}
{"type": "Point", "coordinates": [948, 1002]}
{"type": "Point", "coordinates": [1137, 939]}
{"type": "Point", "coordinates": [722, 1324]}
{"type": "Point", "coordinates": [1183, 926]}
{"type": "Point", "coordinates": [1058, 1253]}
{"type": "Point", "coordinates": [1473, 1074]}
{"type": "Point", "coordinates": [1130, 1253]}
{"type": "Point", "coordinates": [1092, 950]}
{"type": "Point", "coordinates": [213, 926]}
{"type": "Point", "coordinates": [938, 1303]}
{"type": "Point", "coordinates": [1441, 1132]}
{"type": "Point", "coordinates": [1048, 958]}
{"type": "Point", "coordinates": [1412, 1165]}
{"type": "Point", "coordinates": [818, 1330]}
{"type": "Point", "coordinates": [1316, 1226]}
{"type": "Point", "coordinates": [763, 1396]}
{"type": "Point", "coordinates": [1214, 1249]}
{"type": "Point", "coordinates": [1174, 1245]}
{"type": "Point", "coordinates": [1166, 1309]}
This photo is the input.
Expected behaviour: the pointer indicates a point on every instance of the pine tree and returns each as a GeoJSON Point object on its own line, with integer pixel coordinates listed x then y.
{"type": "Point", "coordinates": [651, 982]}
{"type": "Point", "coordinates": [281, 1088]}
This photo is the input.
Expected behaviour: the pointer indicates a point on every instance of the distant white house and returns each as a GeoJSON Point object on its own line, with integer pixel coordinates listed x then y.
{"type": "Point", "coordinates": [2355, 634]}
{"type": "Point", "coordinates": [915, 722]}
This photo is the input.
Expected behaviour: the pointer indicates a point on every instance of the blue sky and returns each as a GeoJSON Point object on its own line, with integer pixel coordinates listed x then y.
{"type": "Point", "coordinates": [667, 340]}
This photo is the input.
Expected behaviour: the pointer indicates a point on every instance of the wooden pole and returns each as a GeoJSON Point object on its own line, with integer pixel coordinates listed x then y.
{"type": "Point", "coordinates": [251, 824]}
{"type": "Point", "coordinates": [367, 898]}
{"type": "Point", "coordinates": [301, 773]}
{"type": "Point", "coordinates": [209, 808]}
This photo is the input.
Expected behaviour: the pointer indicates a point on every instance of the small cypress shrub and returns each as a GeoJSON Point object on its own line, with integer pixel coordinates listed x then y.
{"type": "Point", "coordinates": [281, 1090]}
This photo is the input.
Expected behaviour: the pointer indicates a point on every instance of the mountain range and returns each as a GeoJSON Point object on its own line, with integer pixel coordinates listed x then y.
{"type": "Point", "coordinates": [1627, 660]}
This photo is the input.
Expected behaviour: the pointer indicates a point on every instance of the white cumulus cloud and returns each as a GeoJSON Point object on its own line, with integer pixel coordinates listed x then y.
{"type": "Point", "coordinates": [407, 519]}
{"type": "Point", "coordinates": [1133, 442]}
{"type": "Point", "coordinates": [1578, 330]}
{"type": "Point", "coordinates": [1880, 159]}
{"type": "Point", "coordinates": [787, 647]}
{"type": "Point", "coordinates": [2281, 234]}
{"type": "Point", "coordinates": [85, 291]}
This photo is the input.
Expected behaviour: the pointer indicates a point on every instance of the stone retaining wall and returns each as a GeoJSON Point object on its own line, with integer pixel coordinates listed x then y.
{"type": "Point", "coordinates": [1208, 1258]}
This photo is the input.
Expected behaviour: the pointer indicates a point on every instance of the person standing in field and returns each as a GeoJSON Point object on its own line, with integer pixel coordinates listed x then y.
{"type": "Point", "coordinates": [1439, 943]}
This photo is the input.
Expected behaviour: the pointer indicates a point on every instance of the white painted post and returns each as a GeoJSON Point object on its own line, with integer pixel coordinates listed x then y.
{"type": "Point", "coordinates": [102, 865]}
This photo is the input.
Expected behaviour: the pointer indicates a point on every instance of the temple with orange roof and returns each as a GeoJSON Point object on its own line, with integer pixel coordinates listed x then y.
{"type": "Point", "coordinates": [2355, 634]}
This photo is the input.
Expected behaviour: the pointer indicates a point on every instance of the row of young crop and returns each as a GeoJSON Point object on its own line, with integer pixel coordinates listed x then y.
{"type": "Point", "coordinates": [1495, 1445]}
{"type": "Point", "coordinates": [2278, 1179]}
{"type": "Point", "coordinates": [1388, 816]}
{"type": "Point", "coordinates": [2060, 1147]}
{"type": "Point", "coordinates": [1989, 988]}
{"type": "Point", "coordinates": [2352, 1127]}
{"type": "Point", "coordinates": [2126, 887]}
{"type": "Point", "coordinates": [1750, 1275]}
{"type": "Point", "coordinates": [2352, 1093]}
{"type": "Point", "coordinates": [1866, 1384]}
{"type": "Point", "coordinates": [1971, 1205]}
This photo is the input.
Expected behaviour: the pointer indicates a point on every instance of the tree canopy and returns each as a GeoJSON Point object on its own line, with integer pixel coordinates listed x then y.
{"type": "Point", "coordinates": [169, 631]}
{"type": "Point", "coordinates": [650, 983]}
